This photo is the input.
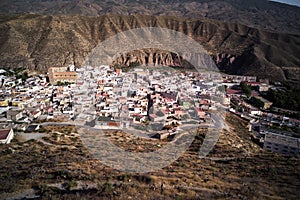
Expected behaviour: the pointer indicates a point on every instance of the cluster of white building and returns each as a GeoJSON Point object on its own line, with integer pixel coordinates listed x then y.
{"type": "Point", "coordinates": [154, 99]}
{"type": "Point", "coordinates": [160, 97]}
{"type": "Point", "coordinates": [32, 100]}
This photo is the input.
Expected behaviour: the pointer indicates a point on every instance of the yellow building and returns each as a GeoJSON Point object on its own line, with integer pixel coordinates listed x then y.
{"type": "Point", "coordinates": [61, 74]}
{"type": "Point", "coordinates": [4, 103]}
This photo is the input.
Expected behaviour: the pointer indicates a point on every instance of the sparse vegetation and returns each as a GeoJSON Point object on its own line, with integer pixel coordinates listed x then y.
{"type": "Point", "coordinates": [59, 83]}
{"type": "Point", "coordinates": [65, 169]}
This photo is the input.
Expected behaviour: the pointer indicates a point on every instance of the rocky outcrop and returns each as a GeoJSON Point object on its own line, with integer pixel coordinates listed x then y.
{"type": "Point", "coordinates": [38, 42]}
{"type": "Point", "coordinates": [149, 57]}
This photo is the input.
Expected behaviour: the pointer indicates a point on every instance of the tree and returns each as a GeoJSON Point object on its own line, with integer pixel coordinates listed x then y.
{"type": "Point", "coordinates": [222, 88]}
{"type": "Point", "coordinates": [246, 89]}
{"type": "Point", "coordinates": [256, 102]}
{"type": "Point", "coordinates": [285, 99]}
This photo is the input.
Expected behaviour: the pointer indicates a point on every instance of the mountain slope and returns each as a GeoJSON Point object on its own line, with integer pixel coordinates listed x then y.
{"type": "Point", "coordinates": [261, 14]}
{"type": "Point", "coordinates": [38, 42]}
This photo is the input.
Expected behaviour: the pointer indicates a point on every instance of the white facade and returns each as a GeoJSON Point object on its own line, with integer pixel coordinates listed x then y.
{"type": "Point", "coordinates": [6, 136]}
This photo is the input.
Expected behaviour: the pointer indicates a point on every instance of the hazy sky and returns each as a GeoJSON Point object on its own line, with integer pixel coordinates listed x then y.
{"type": "Point", "coordinates": [292, 2]}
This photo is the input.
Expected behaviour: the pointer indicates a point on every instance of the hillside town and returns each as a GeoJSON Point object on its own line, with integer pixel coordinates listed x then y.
{"type": "Point", "coordinates": [160, 102]}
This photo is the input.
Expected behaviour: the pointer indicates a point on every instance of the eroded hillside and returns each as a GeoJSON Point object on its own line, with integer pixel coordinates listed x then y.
{"type": "Point", "coordinates": [38, 42]}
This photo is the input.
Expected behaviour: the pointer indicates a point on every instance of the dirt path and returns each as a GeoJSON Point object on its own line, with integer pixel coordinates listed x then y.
{"type": "Point", "coordinates": [23, 137]}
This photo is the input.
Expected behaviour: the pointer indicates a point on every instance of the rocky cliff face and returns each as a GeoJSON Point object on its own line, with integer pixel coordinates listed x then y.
{"type": "Point", "coordinates": [150, 57]}
{"type": "Point", "coordinates": [38, 42]}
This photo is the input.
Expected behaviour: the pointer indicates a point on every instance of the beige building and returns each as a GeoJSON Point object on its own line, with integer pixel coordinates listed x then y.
{"type": "Point", "coordinates": [14, 115]}
{"type": "Point", "coordinates": [62, 74]}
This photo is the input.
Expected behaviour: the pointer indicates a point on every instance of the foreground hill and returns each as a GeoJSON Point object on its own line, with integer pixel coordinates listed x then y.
{"type": "Point", "coordinates": [58, 166]}
{"type": "Point", "coordinates": [38, 42]}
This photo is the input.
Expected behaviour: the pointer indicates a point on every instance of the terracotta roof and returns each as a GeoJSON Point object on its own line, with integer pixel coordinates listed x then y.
{"type": "Point", "coordinates": [113, 124]}
{"type": "Point", "coordinates": [4, 134]}
{"type": "Point", "coordinates": [232, 91]}
{"type": "Point", "coordinates": [255, 94]}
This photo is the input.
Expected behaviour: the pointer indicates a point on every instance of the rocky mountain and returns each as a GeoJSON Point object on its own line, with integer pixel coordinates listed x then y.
{"type": "Point", "coordinates": [39, 41]}
{"type": "Point", "coordinates": [255, 37]}
{"type": "Point", "coordinates": [261, 14]}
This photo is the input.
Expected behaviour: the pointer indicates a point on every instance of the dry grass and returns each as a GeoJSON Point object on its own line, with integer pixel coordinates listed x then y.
{"type": "Point", "coordinates": [63, 160]}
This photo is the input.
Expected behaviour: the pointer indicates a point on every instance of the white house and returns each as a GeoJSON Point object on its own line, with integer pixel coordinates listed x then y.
{"type": "Point", "coordinates": [281, 143]}
{"type": "Point", "coordinates": [6, 135]}
{"type": "Point", "coordinates": [71, 68]}
{"type": "Point", "coordinates": [14, 115]}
